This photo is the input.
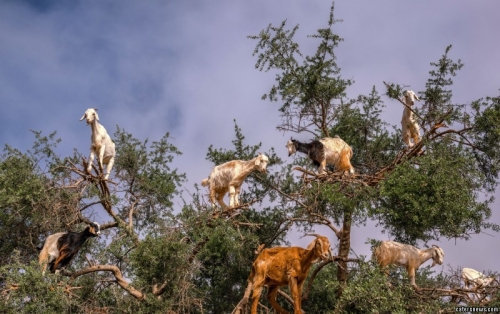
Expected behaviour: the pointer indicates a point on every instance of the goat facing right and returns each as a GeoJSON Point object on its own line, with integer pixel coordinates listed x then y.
{"type": "Point", "coordinates": [60, 248]}
{"type": "Point", "coordinates": [280, 266]}
{"type": "Point", "coordinates": [228, 178]}
{"type": "Point", "coordinates": [391, 252]}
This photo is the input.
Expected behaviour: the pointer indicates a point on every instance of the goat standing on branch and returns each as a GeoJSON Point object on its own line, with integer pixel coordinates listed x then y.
{"type": "Point", "coordinates": [333, 151]}
{"type": "Point", "coordinates": [280, 266]}
{"type": "Point", "coordinates": [229, 177]}
{"type": "Point", "coordinates": [390, 252]}
{"type": "Point", "coordinates": [409, 125]}
{"type": "Point", "coordinates": [476, 279]}
{"type": "Point", "coordinates": [101, 143]}
{"type": "Point", "coordinates": [60, 248]}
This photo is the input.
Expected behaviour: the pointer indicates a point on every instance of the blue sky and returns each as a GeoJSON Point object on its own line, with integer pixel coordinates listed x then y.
{"type": "Point", "coordinates": [186, 67]}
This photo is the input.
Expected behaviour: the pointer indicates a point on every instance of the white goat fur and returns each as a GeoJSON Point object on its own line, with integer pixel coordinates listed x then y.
{"type": "Point", "coordinates": [101, 143]}
{"type": "Point", "coordinates": [390, 252]}
{"type": "Point", "coordinates": [336, 152]}
{"type": "Point", "coordinates": [410, 127]}
{"type": "Point", "coordinates": [474, 278]}
{"type": "Point", "coordinates": [228, 178]}
{"type": "Point", "coordinates": [49, 251]}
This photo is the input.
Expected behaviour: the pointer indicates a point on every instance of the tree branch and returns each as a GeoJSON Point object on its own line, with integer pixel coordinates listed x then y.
{"type": "Point", "coordinates": [116, 273]}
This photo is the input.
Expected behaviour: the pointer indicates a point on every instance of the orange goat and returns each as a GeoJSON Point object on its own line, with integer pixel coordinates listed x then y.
{"type": "Point", "coordinates": [280, 266]}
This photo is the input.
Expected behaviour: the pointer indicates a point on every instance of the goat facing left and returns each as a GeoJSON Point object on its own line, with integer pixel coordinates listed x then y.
{"type": "Point", "coordinates": [60, 248]}
{"type": "Point", "coordinates": [280, 266]}
{"type": "Point", "coordinates": [100, 143]}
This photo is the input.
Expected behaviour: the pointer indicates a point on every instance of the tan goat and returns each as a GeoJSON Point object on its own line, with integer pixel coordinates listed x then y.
{"type": "Point", "coordinates": [228, 178]}
{"type": "Point", "coordinates": [391, 252]}
{"type": "Point", "coordinates": [280, 266]}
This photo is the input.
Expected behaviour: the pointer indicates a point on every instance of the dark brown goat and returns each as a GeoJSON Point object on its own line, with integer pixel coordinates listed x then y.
{"type": "Point", "coordinates": [280, 266]}
{"type": "Point", "coordinates": [60, 248]}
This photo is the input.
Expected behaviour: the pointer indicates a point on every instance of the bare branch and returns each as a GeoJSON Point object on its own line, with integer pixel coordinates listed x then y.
{"type": "Point", "coordinates": [116, 273]}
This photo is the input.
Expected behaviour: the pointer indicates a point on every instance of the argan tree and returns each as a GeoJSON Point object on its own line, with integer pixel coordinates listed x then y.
{"type": "Point", "coordinates": [156, 257]}
{"type": "Point", "coordinates": [430, 191]}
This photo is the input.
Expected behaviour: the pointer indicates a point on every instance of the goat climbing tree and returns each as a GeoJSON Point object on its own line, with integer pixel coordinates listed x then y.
{"type": "Point", "coordinates": [156, 256]}
{"type": "Point", "coordinates": [417, 194]}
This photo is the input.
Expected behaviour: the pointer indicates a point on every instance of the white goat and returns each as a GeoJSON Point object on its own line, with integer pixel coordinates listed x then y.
{"type": "Point", "coordinates": [390, 252]}
{"type": "Point", "coordinates": [410, 127]}
{"type": "Point", "coordinates": [229, 177]}
{"type": "Point", "coordinates": [101, 143]}
{"type": "Point", "coordinates": [476, 279]}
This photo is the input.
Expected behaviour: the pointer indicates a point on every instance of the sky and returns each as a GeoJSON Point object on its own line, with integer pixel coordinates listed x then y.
{"type": "Point", "coordinates": [186, 67]}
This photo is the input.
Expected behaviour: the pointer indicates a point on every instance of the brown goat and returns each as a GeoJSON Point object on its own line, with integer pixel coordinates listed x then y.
{"type": "Point", "coordinates": [280, 266]}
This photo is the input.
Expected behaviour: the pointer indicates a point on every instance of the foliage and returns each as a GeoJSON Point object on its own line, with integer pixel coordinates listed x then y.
{"type": "Point", "coordinates": [156, 257]}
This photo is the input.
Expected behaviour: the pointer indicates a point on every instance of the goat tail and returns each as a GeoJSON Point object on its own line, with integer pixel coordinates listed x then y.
{"type": "Point", "coordinates": [205, 182]}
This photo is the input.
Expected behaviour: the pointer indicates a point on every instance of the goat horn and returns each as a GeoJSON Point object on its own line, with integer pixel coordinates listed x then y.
{"type": "Point", "coordinates": [313, 234]}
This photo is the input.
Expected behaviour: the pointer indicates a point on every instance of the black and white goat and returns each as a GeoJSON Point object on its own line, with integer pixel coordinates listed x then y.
{"type": "Point", "coordinates": [333, 151]}
{"type": "Point", "coordinates": [60, 248]}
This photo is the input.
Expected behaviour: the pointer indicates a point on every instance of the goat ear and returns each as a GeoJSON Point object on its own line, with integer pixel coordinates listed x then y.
{"type": "Point", "coordinates": [83, 117]}
{"type": "Point", "coordinates": [257, 161]}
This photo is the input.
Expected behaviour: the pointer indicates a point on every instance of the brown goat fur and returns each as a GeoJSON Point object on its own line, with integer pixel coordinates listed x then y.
{"type": "Point", "coordinates": [280, 266]}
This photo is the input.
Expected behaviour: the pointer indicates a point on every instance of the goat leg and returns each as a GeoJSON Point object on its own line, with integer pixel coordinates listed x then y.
{"type": "Point", "coordinates": [271, 297]}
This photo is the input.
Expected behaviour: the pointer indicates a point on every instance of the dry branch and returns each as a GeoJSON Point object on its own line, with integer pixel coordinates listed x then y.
{"type": "Point", "coordinates": [116, 273]}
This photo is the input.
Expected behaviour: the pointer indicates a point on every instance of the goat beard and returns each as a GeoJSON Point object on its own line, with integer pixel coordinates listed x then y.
{"type": "Point", "coordinates": [434, 263]}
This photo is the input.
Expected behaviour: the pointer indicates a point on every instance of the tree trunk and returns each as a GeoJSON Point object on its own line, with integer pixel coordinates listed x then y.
{"type": "Point", "coordinates": [344, 248]}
